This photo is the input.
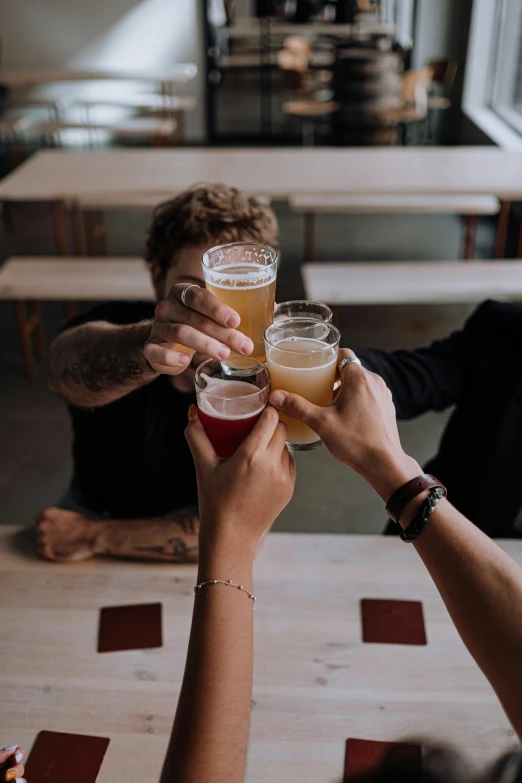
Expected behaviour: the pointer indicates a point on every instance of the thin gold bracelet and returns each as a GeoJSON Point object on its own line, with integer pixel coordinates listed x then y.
{"type": "Point", "coordinates": [228, 583]}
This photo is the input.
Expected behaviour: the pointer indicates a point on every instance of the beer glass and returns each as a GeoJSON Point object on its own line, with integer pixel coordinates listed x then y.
{"type": "Point", "coordinates": [302, 358]}
{"type": "Point", "coordinates": [243, 275]}
{"type": "Point", "coordinates": [230, 401]}
{"type": "Point", "coordinates": [302, 308]}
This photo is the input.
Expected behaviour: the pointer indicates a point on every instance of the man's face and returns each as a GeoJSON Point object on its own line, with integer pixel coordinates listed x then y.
{"type": "Point", "coordinates": [186, 269]}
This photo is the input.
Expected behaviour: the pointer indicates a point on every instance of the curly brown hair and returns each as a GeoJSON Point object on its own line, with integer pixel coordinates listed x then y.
{"type": "Point", "coordinates": [209, 214]}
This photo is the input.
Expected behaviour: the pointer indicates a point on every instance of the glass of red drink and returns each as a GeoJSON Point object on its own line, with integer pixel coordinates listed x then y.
{"type": "Point", "coordinates": [230, 401]}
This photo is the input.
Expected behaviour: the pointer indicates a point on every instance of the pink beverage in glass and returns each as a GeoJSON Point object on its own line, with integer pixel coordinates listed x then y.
{"type": "Point", "coordinates": [228, 407]}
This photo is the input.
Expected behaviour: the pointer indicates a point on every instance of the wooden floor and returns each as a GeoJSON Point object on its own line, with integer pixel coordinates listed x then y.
{"type": "Point", "coordinates": [316, 684]}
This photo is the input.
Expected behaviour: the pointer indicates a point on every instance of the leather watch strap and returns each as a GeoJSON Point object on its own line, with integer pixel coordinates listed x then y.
{"type": "Point", "coordinates": [405, 494]}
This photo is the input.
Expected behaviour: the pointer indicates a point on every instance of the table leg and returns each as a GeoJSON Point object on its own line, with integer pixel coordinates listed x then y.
{"type": "Point", "coordinates": [80, 243]}
{"type": "Point", "coordinates": [470, 236]}
{"type": "Point", "coordinates": [502, 230]}
{"type": "Point", "coordinates": [519, 248]}
{"type": "Point", "coordinates": [36, 323]}
{"type": "Point", "coordinates": [24, 331]}
{"type": "Point", "coordinates": [309, 237]}
{"type": "Point", "coordinates": [60, 228]}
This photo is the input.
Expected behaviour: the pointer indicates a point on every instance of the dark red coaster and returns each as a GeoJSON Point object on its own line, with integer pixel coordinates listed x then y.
{"type": "Point", "coordinates": [392, 622]}
{"type": "Point", "coordinates": [362, 756]}
{"type": "Point", "coordinates": [130, 628]}
{"type": "Point", "coordinates": [67, 758]}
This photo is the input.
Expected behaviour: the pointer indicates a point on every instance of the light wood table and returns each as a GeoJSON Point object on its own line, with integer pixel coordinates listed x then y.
{"type": "Point", "coordinates": [279, 173]}
{"type": "Point", "coordinates": [315, 683]}
{"type": "Point", "coordinates": [32, 76]}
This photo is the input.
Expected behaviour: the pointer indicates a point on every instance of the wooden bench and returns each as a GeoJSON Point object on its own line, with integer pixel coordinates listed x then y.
{"type": "Point", "coordinates": [411, 204]}
{"type": "Point", "coordinates": [29, 281]}
{"type": "Point", "coordinates": [415, 282]}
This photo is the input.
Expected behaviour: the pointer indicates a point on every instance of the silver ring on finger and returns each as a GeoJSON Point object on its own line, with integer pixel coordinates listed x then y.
{"type": "Point", "coordinates": [185, 290]}
{"type": "Point", "coordinates": [349, 360]}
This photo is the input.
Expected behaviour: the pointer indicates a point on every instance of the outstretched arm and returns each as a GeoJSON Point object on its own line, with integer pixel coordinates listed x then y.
{"type": "Point", "coordinates": [210, 736]}
{"type": "Point", "coordinates": [479, 583]}
{"type": "Point", "coordinates": [96, 363]}
{"type": "Point", "coordinates": [99, 362]}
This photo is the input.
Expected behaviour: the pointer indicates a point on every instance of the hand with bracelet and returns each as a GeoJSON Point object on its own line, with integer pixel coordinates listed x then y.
{"type": "Point", "coordinates": [239, 499]}
{"type": "Point", "coordinates": [479, 583]}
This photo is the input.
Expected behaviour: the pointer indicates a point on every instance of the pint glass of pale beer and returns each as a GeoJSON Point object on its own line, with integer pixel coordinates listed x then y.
{"type": "Point", "coordinates": [302, 358]}
{"type": "Point", "coordinates": [230, 401]}
{"type": "Point", "coordinates": [243, 275]}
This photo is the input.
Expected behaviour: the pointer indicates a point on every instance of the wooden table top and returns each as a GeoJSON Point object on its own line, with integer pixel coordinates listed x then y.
{"type": "Point", "coordinates": [316, 684]}
{"type": "Point", "coordinates": [28, 76]}
{"type": "Point", "coordinates": [278, 173]}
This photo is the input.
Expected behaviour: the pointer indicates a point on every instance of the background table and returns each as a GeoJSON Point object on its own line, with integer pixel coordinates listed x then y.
{"type": "Point", "coordinates": [30, 77]}
{"type": "Point", "coordinates": [315, 683]}
{"type": "Point", "coordinates": [60, 175]}
{"type": "Point", "coordinates": [279, 173]}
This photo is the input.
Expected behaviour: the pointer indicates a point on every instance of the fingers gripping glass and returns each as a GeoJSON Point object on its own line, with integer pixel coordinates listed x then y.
{"type": "Point", "coordinates": [302, 358]}
{"type": "Point", "coordinates": [243, 276]}
{"type": "Point", "coordinates": [230, 401]}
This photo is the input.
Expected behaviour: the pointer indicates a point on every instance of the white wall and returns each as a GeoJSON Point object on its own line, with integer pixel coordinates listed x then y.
{"type": "Point", "coordinates": [433, 30]}
{"type": "Point", "coordinates": [116, 34]}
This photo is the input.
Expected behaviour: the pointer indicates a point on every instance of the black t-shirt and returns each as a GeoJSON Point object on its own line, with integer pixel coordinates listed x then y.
{"type": "Point", "coordinates": [131, 459]}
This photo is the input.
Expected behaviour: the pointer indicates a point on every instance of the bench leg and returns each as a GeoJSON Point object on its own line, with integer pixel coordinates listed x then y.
{"type": "Point", "coordinates": [470, 236]}
{"type": "Point", "coordinates": [95, 233]}
{"type": "Point", "coordinates": [309, 237]}
{"type": "Point", "coordinates": [25, 328]}
{"type": "Point", "coordinates": [502, 230]}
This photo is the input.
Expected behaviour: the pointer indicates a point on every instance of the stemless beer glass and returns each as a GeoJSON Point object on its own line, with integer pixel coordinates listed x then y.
{"type": "Point", "coordinates": [302, 358]}
{"type": "Point", "coordinates": [230, 401]}
{"type": "Point", "coordinates": [243, 275]}
{"type": "Point", "coordinates": [302, 308]}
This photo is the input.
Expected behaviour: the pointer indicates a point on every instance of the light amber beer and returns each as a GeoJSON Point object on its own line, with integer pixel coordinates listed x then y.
{"type": "Point", "coordinates": [302, 358]}
{"type": "Point", "coordinates": [243, 276]}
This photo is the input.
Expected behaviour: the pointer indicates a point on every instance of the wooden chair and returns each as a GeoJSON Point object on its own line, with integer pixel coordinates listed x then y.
{"type": "Point", "coordinates": [470, 207]}
{"type": "Point", "coordinates": [29, 281]}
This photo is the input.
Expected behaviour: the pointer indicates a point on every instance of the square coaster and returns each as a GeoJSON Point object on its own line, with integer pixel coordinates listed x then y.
{"type": "Point", "coordinates": [393, 622]}
{"type": "Point", "coordinates": [362, 756]}
{"type": "Point", "coordinates": [135, 627]}
{"type": "Point", "coordinates": [67, 758]}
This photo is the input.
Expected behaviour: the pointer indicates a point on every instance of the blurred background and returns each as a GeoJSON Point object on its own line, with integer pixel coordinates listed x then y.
{"type": "Point", "coordinates": [251, 73]}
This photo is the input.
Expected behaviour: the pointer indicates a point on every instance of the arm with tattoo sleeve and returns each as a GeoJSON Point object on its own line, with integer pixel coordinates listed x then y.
{"type": "Point", "coordinates": [97, 363]}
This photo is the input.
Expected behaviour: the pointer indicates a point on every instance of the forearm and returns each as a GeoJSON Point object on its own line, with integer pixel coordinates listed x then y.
{"type": "Point", "coordinates": [482, 589]}
{"type": "Point", "coordinates": [209, 741]}
{"type": "Point", "coordinates": [99, 362]}
{"type": "Point", "coordinates": [479, 583]}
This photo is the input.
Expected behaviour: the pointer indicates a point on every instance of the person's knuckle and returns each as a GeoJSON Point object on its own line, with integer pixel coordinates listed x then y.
{"type": "Point", "coordinates": [195, 296]}
{"type": "Point", "coordinates": [162, 310]}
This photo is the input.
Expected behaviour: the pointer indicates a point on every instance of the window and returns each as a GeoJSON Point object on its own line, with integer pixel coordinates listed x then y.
{"type": "Point", "coordinates": [493, 84]}
{"type": "Point", "coordinates": [505, 86]}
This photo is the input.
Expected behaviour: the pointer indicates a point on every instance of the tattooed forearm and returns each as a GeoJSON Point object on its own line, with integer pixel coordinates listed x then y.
{"type": "Point", "coordinates": [98, 363]}
{"type": "Point", "coordinates": [94, 372]}
{"type": "Point", "coordinates": [175, 549]}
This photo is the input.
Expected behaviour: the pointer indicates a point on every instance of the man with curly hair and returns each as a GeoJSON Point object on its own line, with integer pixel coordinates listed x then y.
{"type": "Point", "coordinates": [128, 387]}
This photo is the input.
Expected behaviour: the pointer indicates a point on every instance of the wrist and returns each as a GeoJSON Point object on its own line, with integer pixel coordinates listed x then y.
{"type": "Point", "coordinates": [223, 551]}
{"type": "Point", "coordinates": [389, 472]}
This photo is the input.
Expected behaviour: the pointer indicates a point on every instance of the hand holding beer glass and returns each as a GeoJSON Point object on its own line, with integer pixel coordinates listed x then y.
{"type": "Point", "coordinates": [243, 276]}
{"type": "Point", "coordinates": [302, 358]}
